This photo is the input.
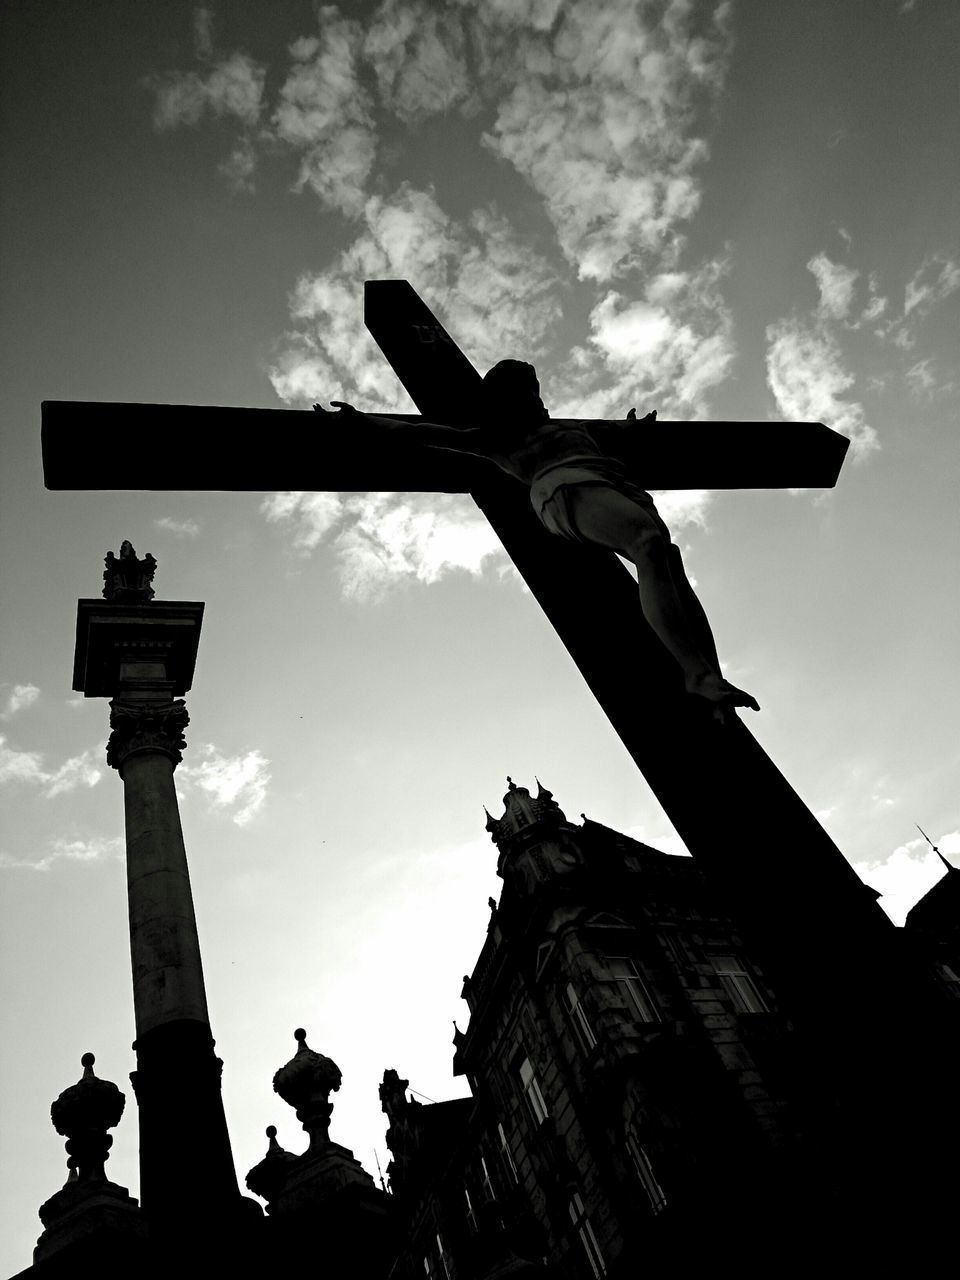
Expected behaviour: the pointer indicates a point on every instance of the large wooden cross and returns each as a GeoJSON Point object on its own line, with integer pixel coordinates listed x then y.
{"type": "Point", "coordinates": [807, 918]}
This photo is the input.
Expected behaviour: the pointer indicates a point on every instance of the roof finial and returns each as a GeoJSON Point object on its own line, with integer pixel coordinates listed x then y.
{"type": "Point", "coordinates": [948, 865]}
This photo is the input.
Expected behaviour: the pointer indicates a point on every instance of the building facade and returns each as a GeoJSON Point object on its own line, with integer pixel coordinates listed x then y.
{"type": "Point", "coordinates": [630, 1073]}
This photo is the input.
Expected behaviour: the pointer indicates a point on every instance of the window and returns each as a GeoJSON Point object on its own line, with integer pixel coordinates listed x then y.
{"type": "Point", "coordinates": [471, 1215]}
{"type": "Point", "coordinates": [632, 989]}
{"type": "Point", "coordinates": [739, 985]}
{"type": "Point", "coordinates": [507, 1154]}
{"type": "Point", "coordinates": [581, 1224]}
{"type": "Point", "coordinates": [430, 1268]}
{"type": "Point", "coordinates": [486, 1184]}
{"type": "Point", "coordinates": [532, 1090]}
{"type": "Point", "coordinates": [579, 1019]}
{"type": "Point", "coordinates": [445, 1271]}
{"type": "Point", "coordinates": [648, 1179]}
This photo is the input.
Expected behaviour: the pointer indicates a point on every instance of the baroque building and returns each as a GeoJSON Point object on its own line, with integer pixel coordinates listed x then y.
{"type": "Point", "coordinates": [629, 1069]}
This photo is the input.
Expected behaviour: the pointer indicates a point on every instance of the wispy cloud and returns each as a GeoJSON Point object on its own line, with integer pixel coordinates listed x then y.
{"type": "Point", "coordinates": [28, 767]}
{"type": "Point", "coordinates": [495, 294]}
{"type": "Point", "coordinates": [19, 697]}
{"type": "Point", "coordinates": [65, 850]}
{"type": "Point", "coordinates": [181, 528]}
{"type": "Point", "coordinates": [381, 540]}
{"type": "Point", "coordinates": [836, 283]}
{"type": "Point", "coordinates": [236, 783]}
{"type": "Point", "coordinates": [231, 87]}
{"type": "Point", "coordinates": [416, 537]}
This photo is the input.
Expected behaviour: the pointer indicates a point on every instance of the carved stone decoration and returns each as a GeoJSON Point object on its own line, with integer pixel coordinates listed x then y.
{"type": "Point", "coordinates": [305, 1083]}
{"type": "Point", "coordinates": [88, 1206]}
{"type": "Point", "coordinates": [141, 726]}
{"type": "Point", "coordinates": [126, 579]}
{"type": "Point", "coordinates": [83, 1114]}
{"type": "Point", "coordinates": [267, 1179]}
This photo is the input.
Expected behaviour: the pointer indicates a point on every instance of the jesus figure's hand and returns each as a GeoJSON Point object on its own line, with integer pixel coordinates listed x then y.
{"type": "Point", "coordinates": [346, 410]}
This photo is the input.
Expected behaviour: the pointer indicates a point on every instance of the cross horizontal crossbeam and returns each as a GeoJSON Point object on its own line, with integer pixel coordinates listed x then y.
{"type": "Point", "coordinates": [88, 445]}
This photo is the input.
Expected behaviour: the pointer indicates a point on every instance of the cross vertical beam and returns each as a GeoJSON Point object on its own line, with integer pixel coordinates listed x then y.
{"type": "Point", "coordinates": [813, 926]}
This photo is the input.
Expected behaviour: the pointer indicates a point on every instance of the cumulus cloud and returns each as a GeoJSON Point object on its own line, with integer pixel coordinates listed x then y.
{"type": "Point", "coordinates": [383, 539]}
{"type": "Point", "coordinates": [64, 850]}
{"type": "Point", "coordinates": [19, 697]}
{"type": "Point", "coordinates": [238, 783]}
{"type": "Point", "coordinates": [28, 766]}
{"type": "Point", "coordinates": [419, 55]}
{"type": "Point", "coordinates": [181, 528]}
{"type": "Point", "coordinates": [906, 874]}
{"type": "Point", "coordinates": [600, 121]}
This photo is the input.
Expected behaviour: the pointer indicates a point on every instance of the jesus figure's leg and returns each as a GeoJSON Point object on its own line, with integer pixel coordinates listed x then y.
{"type": "Point", "coordinates": [610, 519]}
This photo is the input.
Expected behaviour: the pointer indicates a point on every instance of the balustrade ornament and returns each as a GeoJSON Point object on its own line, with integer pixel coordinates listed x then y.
{"type": "Point", "coordinates": [306, 1082]}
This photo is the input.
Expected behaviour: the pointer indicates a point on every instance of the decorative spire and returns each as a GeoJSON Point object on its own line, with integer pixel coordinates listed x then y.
{"type": "Point", "coordinates": [521, 811]}
{"type": "Point", "coordinates": [82, 1114]}
{"type": "Point", "coordinates": [305, 1083]}
{"type": "Point", "coordinates": [126, 579]}
{"type": "Point", "coordinates": [267, 1179]}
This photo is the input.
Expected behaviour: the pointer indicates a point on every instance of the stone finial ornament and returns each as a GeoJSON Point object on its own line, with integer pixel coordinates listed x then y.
{"type": "Point", "coordinates": [267, 1179]}
{"type": "Point", "coordinates": [82, 1114]}
{"type": "Point", "coordinates": [126, 579]}
{"type": "Point", "coordinates": [305, 1083]}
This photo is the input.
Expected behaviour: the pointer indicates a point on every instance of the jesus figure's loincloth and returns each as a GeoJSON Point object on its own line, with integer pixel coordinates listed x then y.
{"type": "Point", "coordinates": [551, 492]}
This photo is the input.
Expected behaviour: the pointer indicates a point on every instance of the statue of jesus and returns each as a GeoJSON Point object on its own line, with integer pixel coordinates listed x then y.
{"type": "Point", "coordinates": [580, 491]}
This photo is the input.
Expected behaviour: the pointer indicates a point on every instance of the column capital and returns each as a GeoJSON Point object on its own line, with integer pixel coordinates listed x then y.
{"type": "Point", "coordinates": [146, 726]}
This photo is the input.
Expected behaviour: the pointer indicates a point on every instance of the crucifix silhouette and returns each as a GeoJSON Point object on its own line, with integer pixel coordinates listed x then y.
{"type": "Point", "coordinates": [780, 872]}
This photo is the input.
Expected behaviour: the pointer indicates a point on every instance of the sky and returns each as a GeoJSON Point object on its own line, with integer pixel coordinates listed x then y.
{"type": "Point", "coordinates": [744, 210]}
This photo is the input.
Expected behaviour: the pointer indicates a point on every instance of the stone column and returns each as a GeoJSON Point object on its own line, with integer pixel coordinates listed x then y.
{"type": "Point", "coordinates": [141, 654]}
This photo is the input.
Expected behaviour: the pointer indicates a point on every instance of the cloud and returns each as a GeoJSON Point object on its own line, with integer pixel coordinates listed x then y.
{"type": "Point", "coordinates": [27, 766]}
{"type": "Point", "coordinates": [230, 782]}
{"type": "Point", "coordinates": [935, 279]}
{"type": "Point", "coordinates": [419, 537]}
{"type": "Point", "coordinates": [836, 283]}
{"type": "Point", "coordinates": [383, 539]}
{"type": "Point", "coordinates": [323, 112]}
{"type": "Point", "coordinates": [230, 87]}
{"type": "Point", "coordinates": [806, 373]}
{"type": "Point", "coordinates": [311, 516]}
{"type": "Point", "coordinates": [20, 766]}
{"type": "Point", "coordinates": [419, 55]}
{"type": "Point", "coordinates": [495, 295]}
{"type": "Point", "coordinates": [181, 528]}
{"type": "Point", "coordinates": [64, 850]}
{"type": "Point", "coordinates": [78, 771]}
{"type": "Point", "coordinates": [906, 874]}
{"type": "Point", "coordinates": [600, 121]}
{"type": "Point", "coordinates": [920, 377]}
{"type": "Point", "coordinates": [19, 697]}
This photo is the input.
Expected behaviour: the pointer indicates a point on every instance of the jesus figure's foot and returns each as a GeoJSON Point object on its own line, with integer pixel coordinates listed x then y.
{"type": "Point", "coordinates": [723, 695]}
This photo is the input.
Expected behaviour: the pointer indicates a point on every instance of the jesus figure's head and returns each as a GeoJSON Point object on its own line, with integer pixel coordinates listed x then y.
{"type": "Point", "coordinates": [511, 389]}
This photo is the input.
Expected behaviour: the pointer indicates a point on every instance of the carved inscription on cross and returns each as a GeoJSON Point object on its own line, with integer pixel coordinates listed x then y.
{"type": "Point", "coordinates": [716, 784]}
